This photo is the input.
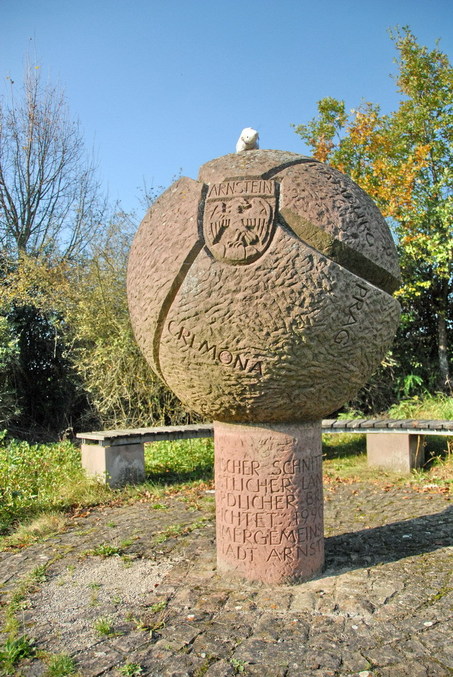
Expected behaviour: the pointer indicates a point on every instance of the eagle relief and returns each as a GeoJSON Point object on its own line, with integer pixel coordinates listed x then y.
{"type": "Point", "coordinates": [239, 219]}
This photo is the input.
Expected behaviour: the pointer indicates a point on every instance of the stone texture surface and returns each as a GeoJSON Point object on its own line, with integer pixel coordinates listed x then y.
{"type": "Point", "coordinates": [322, 198]}
{"type": "Point", "coordinates": [269, 501]}
{"type": "Point", "coordinates": [116, 465]}
{"type": "Point", "coordinates": [290, 341]}
{"type": "Point", "coordinates": [395, 451]}
{"type": "Point", "coordinates": [261, 293]}
{"type": "Point", "coordinates": [381, 608]}
{"type": "Point", "coordinates": [163, 250]}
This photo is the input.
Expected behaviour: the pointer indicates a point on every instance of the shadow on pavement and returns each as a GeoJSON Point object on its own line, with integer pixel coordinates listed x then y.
{"type": "Point", "coordinates": [389, 543]}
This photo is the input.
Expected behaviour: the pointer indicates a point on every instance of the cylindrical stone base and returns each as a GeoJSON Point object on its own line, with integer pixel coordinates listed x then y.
{"type": "Point", "coordinates": [269, 502]}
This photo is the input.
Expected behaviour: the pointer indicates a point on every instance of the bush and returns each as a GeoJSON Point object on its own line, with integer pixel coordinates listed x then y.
{"type": "Point", "coordinates": [9, 359]}
{"type": "Point", "coordinates": [429, 407]}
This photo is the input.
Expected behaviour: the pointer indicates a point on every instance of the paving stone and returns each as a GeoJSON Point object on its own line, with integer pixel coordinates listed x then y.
{"type": "Point", "coordinates": [268, 599]}
{"type": "Point", "coordinates": [95, 662]}
{"type": "Point", "coordinates": [176, 638]}
{"type": "Point", "coordinates": [222, 668]}
{"type": "Point", "coordinates": [441, 649]}
{"type": "Point", "coordinates": [211, 601]}
{"type": "Point", "coordinates": [264, 671]}
{"type": "Point", "coordinates": [383, 600]}
{"type": "Point", "coordinates": [130, 641]}
{"type": "Point", "coordinates": [261, 653]}
{"type": "Point", "coordinates": [353, 662]}
{"type": "Point", "coordinates": [384, 655]}
{"type": "Point", "coordinates": [402, 670]}
{"type": "Point", "coordinates": [180, 665]}
{"type": "Point", "coordinates": [326, 627]}
{"type": "Point", "coordinates": [354, 606]}
{"type": "Point", "coordinates": [322, 660]}
{"type": "Point", "coordinates": [211, 645]}
{"type": "Point", "coordinates": [272, 628]}
{"type": "Point", "coordinates": [301, 672]}
{"type": "Point", "coordinates": [37, 668]}
{"type": "Point", "coordinates": [413, 648]}
{"type": "Point", "coordinates": [242, 601]}
{"type": "Point", "coordinates": [304, 600]}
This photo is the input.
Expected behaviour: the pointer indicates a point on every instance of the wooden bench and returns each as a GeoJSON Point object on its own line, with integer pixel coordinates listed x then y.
{"type": "Point", "coordinates": [118, 455]}
{"type": "Point", "coordinates": [393, 444]}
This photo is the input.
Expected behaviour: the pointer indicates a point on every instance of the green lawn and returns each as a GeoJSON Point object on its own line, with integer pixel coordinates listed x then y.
{"type": "Point", "coordinates": [40, 484]}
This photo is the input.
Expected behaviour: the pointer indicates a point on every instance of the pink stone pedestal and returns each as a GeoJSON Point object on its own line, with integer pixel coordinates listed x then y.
{"type": "Point", "coordinates": [269, 502]}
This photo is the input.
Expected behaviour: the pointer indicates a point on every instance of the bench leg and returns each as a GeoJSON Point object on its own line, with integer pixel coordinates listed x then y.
{"type": "Point", "coordinates": [395, 451]}
{"type": "Point", "coordinates": [116, 465]}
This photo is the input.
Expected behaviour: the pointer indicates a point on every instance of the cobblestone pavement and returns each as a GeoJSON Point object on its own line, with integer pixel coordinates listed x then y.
{"type": "Point", "coordinates": [134, 590]}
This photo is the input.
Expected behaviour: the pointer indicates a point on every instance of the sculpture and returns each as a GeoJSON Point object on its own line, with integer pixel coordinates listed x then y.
{"type": "Point", "coordinates": [248, 140]}
{"type": "Point", "coordinates": [261, 295]}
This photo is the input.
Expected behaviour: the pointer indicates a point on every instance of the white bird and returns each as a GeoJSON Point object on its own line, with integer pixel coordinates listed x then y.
{"type": "Point", "coordinates": [248, 140]}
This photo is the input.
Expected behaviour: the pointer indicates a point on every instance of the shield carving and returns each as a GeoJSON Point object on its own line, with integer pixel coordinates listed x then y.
{"type": "Point", "coordinates": [239, 219]}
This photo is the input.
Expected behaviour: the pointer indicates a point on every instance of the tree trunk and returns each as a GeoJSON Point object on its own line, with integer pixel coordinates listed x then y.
{"type": "Point", "coordinates": [445, 382]}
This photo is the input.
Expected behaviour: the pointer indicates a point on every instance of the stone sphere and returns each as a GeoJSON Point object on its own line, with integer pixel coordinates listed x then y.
{"type": "Point", "coordinates": [263, 291]}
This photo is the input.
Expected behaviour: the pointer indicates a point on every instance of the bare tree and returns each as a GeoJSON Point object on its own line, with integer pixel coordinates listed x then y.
{"type": "Point", "coordinates": [49, 197]}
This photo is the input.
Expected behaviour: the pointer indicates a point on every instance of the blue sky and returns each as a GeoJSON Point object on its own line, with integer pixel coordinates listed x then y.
{"type": "Point", "coordinates": [162, 86]}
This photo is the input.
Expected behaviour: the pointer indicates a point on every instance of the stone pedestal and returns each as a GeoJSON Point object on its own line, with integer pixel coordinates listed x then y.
{"type": "Point", "coordinates": [395, 451]}
{"type": "Point", "coordinates": [269, 501]}
{"type": "Point", "coordinates": [116, 465]}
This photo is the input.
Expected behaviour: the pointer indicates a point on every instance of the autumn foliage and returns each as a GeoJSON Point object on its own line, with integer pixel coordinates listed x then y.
{"type": "Point", "coordinates": [403, 160]}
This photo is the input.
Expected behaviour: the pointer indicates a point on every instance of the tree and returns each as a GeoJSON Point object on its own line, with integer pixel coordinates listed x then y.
{"type": "Point", "coordinates": [41, 393]}
{"type": "Point", "coordinates": [9, 356]}
{"type": "Point", "coordinates": [68, 358]}
{"type": "Point", "coordinates": [67, 354]}
{"type": "Point", "coordinates": [122, 389]}
{"type": "Point", "coordinates": [50, 210]}
{"type": "Point", "coordinates": [49, 196]}
{"type": "Point", "coordinates": [404, 161]}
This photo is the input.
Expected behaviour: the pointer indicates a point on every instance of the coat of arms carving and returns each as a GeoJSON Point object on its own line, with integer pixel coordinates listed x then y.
{"type": "Point", "coordinates": [239, 219]}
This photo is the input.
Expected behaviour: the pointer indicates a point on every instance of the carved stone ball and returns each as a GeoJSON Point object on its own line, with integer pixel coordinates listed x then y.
{"type": "Point", "coordinates": [262, 291]}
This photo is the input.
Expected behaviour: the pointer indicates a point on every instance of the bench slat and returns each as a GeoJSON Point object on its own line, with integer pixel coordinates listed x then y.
{"type": "Point", "coordinates": [143, 435]}
{"type": "Point", "coordinates": [157, 433]}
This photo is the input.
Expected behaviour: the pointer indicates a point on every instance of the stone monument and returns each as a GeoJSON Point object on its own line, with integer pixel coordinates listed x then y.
{"type": "Point", "coordinates": [261, 294]}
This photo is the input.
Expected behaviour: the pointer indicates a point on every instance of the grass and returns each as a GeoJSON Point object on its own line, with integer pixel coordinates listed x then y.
{"type": "Point", "coordinates": [131, 670]}
{"type": "Point", "coordinates": [60, 665]}
{"type": "Point", "coordinates": [35, 529]}
{"type": "Point", "coordinates": [104, 626]}
{"type": "Point", "coordinates": [180, 461]}
{"type": "Point", "coordinates": [345, 457]}
{"type": "Point", "coordinates": [13, 651]}
{"type": "Point", "coordinates": [41, 484]}
{"type": "Point", "coordinates": [106, 550]}
{"type": "Point", "coordinates": [38, 479]}
{"type": "Point", "coordinates": [238, 666]}
{"type": "Point", "coordinates": [175, 530]}
{"type": "Point", "coordinates": [344, 445]}
{"type": "Point", "coordinates": [16, 603]}
{"type": "Point", "coordinates": [158, 606]}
